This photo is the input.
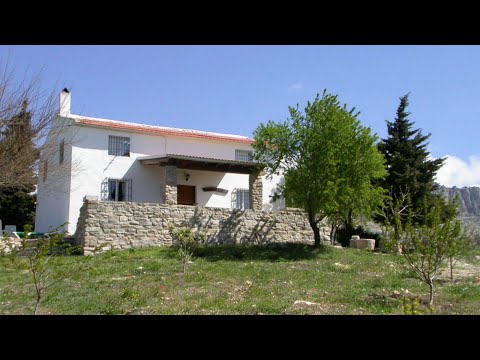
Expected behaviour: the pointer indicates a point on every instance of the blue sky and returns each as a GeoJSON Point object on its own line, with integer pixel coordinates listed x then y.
{"type": "Point", "coordinates": [232, 89]}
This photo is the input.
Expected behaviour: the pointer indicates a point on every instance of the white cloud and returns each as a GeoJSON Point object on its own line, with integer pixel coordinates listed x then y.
{"type": "Point", "coordinates": [296, 86]}
{"type": "Point", "coordinates": [457, 172]}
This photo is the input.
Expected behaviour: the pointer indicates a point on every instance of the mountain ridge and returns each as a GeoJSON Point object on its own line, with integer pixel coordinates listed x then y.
{"type": "Point", "coordinates": [468, 196]}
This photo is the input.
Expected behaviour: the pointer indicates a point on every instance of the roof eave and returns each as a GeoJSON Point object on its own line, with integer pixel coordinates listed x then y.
{"type": "Point", "coordinates": [85, 122]}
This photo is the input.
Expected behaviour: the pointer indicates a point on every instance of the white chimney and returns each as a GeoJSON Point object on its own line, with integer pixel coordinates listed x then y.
{"type": "Point", "coordinates": [65, 102]}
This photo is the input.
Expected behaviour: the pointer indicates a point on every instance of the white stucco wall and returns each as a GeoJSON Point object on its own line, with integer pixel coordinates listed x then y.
{"type": "Point", "coordinates": [53, 195]}
{"type": "Point", "coordinates": [269, 187]}
{"type": "Point", "coordinates": [51, 211]}
{"type": "Point", "coordinates": [201, 179]}
{"type": "Point", "coordinates": [90, 151]}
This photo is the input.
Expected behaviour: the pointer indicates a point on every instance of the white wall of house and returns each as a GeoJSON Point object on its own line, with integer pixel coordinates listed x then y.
{"type": "Point", "coordinates": [53, 194]}
{"type": "Point", "coordinates": [201, 179]}
{"type": "Point", "coordinates": [269, 187]}
{"type": "Point", "coordinates": [90, 151]}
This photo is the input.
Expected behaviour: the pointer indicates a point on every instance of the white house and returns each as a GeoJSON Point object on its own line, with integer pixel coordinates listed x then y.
{"type": "Point", "coordinates": [124, 161]}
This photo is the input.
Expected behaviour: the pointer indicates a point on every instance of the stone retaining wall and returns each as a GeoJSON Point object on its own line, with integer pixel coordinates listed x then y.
{"type": "Point", "coordinates": [122, 225]}
{"type": "Point", "coordinates": [5, 244]}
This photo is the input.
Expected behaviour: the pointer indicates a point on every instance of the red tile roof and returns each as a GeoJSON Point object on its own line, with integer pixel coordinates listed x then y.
{"type": "Point", "coordinates": [160, 130]}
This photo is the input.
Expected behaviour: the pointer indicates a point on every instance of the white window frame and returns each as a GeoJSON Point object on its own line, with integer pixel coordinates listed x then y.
{"type": "Point", "coordinates": [106, 193]}
{"type": "Point", "coordinates": [244, 195]}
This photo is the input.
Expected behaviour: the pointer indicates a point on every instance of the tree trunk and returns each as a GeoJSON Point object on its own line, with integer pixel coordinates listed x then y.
{"type": "Point", "coordinates": [35, 311]}
{"type": "Point", "coordinates": [451, 268]}
{"type": "Point", "coordinates": [332, 233]}
{"type": "Point", "coordinates": [316, 230]}
{"type": "Point", "coordinates": [430, 284]}
{"type": "Point", "coordinates": [316, 234]}
{"type": "Point", "coordinates": [350, 219]}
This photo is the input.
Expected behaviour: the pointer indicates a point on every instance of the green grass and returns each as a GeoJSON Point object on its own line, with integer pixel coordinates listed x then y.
{"type": "Point", "coordinates": [237, 280]}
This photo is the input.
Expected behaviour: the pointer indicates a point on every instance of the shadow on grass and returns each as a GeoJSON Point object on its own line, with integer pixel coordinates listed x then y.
{"type": "Point", "coordinates": [271, 252]}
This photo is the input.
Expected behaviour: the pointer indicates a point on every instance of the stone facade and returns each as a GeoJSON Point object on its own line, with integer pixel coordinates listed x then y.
{"type": "Point", "coordinates": [170, 183]}
{"type": "Point", "coordinates": [122, 225]}
{"type": "Point", "coordinates": [7, 243]}
{"type": "Point", "coordinates": [255, 190]}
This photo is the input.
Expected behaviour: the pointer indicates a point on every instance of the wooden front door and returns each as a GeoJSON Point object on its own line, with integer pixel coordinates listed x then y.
{"type": "Point", "coordinates": [185, 195]}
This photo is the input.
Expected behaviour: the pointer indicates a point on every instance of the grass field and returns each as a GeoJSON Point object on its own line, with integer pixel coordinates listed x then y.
{"type": "Point", "coordinates": [241, 280]}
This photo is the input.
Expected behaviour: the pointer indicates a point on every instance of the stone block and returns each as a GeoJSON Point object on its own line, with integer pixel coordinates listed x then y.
{"type": "Point", "coordinates": [362, 244]}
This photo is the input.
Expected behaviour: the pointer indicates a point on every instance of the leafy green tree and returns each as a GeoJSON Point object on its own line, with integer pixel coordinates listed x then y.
{"type": "Point", "coordinates": [460, 245]}
{"type": "Point", "coordinates": [186, 240]}
{"type": "Point", "coordinates": [424, 247]}
{"type": "Point", "coordinates": [409, 168]}
{"type": "Point", "coordinates": [457, 246]}
{"type": "Point", "coordinates": [327, 158]}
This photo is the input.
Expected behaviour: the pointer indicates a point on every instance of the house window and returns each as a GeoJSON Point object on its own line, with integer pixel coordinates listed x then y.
{"type": "Point", "coordinates": [45, 170]}
{"type": "Point", "coordinates": [118, 145]}
{"type": "Point", "coordinates": [243, 155]}
{"type": "Point", "coordinates": [62, 152]}
{"type": "Point", "coordinates": [117, 189]}
{"type": "Point", "coordinates": [240, 199]}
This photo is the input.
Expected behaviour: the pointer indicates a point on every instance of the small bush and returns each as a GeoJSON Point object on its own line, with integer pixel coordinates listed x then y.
{"type": "Point", "coordinates": [43, 258]}
{"type": "Point", "coordinates": [411, 306]}
{"type": "Point", "coordinates": [186, 240]}
{"type": "Point", "coordinates": [344, 234]}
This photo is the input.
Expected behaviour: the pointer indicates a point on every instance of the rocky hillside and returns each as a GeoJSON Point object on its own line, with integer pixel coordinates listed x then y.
{"type": "Point", "coordinates": [469, 199]}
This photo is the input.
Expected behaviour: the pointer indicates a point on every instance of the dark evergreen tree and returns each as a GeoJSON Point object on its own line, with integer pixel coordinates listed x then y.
{"type": "Point", "coordinates": [408, 164]}
{"type": "Point", "coordinates": [17, 205]}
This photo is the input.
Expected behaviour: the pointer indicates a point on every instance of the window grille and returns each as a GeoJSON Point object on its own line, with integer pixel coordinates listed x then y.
{"type": "Point", "coordinates": [118, 145]}
{"type": "Point", "coordinates": [240, 199]}
{"type": "Point", "coordinates": [116, 189]}
{"type": "Point", "coordinates": [243, 155]}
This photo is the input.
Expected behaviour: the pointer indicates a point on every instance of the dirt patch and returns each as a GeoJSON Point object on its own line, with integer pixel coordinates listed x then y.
{"type": "Point", "coordinates": [238, 292]}
{"type": "Point", "coordinates": [462, 270]}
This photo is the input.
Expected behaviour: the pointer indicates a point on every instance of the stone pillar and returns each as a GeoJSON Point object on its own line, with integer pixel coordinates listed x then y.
{"type": "Point", "coordinates": [170, 183]}
{"type": "Point", "coordinates": [255, 190]}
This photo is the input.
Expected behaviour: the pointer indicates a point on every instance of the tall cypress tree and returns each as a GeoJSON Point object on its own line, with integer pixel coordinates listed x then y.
{"type": "Point", "coordinates": [18, 152]}
{"type": "Point", "coordinates": [408, 164]}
